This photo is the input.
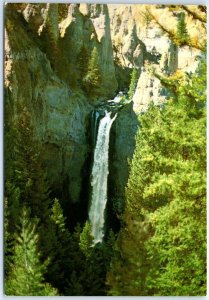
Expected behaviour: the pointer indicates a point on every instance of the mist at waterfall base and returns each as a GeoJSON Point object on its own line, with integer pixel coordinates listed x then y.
{"type": "Point", "coordinates": [99, 178]}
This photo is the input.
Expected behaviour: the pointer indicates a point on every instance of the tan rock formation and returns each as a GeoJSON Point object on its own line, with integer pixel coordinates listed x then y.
{"type": "Point", "coordinates": [42, 43]}
{"type": "Point", "coordinates": [137, 39]}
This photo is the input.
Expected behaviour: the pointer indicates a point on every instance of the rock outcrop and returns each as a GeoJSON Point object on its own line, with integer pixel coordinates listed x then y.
{"type": "Point", "coordinates": [90, 27]}
{"type": "Point", "coordinates": [140, 42]}
{"type": "Point", "coordinates": [124, 130]}
{"type": "Point", "coordinates": [42, 47]}
{"type": "Point", "coordinates": [42, 42]}
{"type": "Point", "coordinates": [58, 115]}
{"type": "Point", "coordinates": [163, 57]}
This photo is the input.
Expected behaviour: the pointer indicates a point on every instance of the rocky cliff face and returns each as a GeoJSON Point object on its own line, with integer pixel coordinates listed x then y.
{"type": "Point", "coordinates": [42, 46]}
{"type": "Point", "coordinates": [42, 42]}
{"type": "Point", "coordinates": [163, 58]}
{"type": "Point", "coordinates": [123, 143]}
{"type": "Point", "coordinates": [89, 25]}
{"type": "Point", "coordinates": [99, 15]}
{"type": "Point", "coordinates": [58, 114]}
{"type": "Point", "coordinates": [139, 42]}
{"type": "Point", "coordinates": [129, 49]}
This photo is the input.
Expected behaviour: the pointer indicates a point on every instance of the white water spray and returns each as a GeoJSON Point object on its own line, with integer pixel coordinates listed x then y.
{"type": "Point", "coordinates": [99, 178]}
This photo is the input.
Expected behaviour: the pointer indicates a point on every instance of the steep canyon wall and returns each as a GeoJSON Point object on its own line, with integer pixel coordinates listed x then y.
{"type": "Point", "coordinates": [42, 46]}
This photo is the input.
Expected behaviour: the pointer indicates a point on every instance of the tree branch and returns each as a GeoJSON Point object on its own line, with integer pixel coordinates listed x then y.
{"type": "Point", "coordinates": [172, 35]}
{"type": "Point", "coordinates": [195, 15]}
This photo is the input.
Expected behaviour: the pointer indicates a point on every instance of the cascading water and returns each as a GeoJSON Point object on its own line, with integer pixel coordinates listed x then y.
{"type": "Point", "coordinates": [96, 116]}
{"type": "Point", "coordinates": [99, 178]}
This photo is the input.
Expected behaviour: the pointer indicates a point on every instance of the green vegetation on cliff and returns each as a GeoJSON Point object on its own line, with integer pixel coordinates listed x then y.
{"type": "Point", "coordinates": [182, 33]}
{"type": "Point", "coordinates": [133, 83]}
{"type": "Point", "coordinates": [162, 245]}
{"type": "Point", "coordinates": [92, 79]}
{"type": "Point", "coordinates": [155, 234]}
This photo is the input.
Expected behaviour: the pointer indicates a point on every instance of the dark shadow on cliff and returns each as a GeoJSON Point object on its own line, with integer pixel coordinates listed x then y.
{"type": "Point", "coordinates": [122, 145]}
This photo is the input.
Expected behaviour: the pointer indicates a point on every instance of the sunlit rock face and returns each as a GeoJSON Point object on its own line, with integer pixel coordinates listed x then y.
{"type": "Point", "coordinates": [143, 46]}
{"type": "Point", "coordinates": [41, 73]}
{"type": "Point", "coordinates": [62, 30]}
{"type": "Point", "coordinates": [89, 25]}
{"type": "Point", "coordinates": [129, 50]}
{"type": "Point", "coordinates": [42, 43]}
{"type": "Point", "coordinates": [59, 114]}
{"type": "Point", "coordinates": [138, 42]}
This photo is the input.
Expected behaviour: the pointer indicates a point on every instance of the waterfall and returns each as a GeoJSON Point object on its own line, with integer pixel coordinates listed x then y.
{"type": "Point", "coordinates": [96, 116]}
{"type": "Point", "coordinates": [99, 178]}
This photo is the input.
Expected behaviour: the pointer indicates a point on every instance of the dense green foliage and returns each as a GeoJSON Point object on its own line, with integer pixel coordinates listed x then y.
{"type": "Point", "coordinates": [73, 266]}
{"type": "Point", "coordinates": [92, 79]}
{"type": "Point", "coordinates": [162, 246]}
{"type": "Point", "coordinates": [86, 240]}
{"type": "Point", "coordinates": [26, 275]}
{"type": "Point", "coordinates": [82, 64]}
{"type": "Point", "coordinates": [158, 246]}
{"type": "Point", "coordinates": [182, 33]}
{"type": "Point", "coordinates": [133, 83]}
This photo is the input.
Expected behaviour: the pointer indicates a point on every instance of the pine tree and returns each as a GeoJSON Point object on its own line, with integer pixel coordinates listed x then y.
{"type": "Point", "coordinates": [82, 63]}
{"type": "Point", "coordinates": [61, 264]}
{"type": "Point", "coordinates": [92, 79]}
{"type": "Point", "coordinates": [12, 195]}
{"type": "Point", "coordinates": [162, 245]}
{"type": "Point", "coordinates": [11, 192]}
{"type": "Point", "coordinates": [26, 183]}
{"type": "Point", "coordinates": [8, 240]}
{"type": "Point", "coordinates": [29, 179]}
{"type": "Point", "coordinates": [57, 216]}
{"type": "Point", "coordinates": [182, 33]}
{"type": "Point", "coordinates": [86, 240]}
{"type": "Point", "coordinates": [27, 272]}
{"type": "Point", "coordinates": [196, 14]}
{"type": "Point", "coordinates": [133, 84]}
{"type": "Point", "coordinates": [30, 176]}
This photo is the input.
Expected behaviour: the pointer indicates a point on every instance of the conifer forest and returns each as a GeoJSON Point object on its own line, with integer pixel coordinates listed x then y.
{"type": "Point", "coordinates": [104, 149]}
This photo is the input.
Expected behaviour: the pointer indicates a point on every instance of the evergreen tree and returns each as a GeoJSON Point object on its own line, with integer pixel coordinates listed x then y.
{"type": "Point", "coordinates": [88, 264]}
{"type": "Point", "coordinates": [133, 83]}
{"type": "Point", "coordinates": [27, 185]}
{"type": "Point", "coordinates": [57, 216]}
{"type": "Point", "coordinates": [86, 240]}
{"type": "Point", "coordinates": [92, 80]}
{"type": "Point", "coordinates": [182, 33]}
{"type": "Point", "coordinates": [193, 42]}
{"type": "Point", "coordinates": [75, 268]}
{"type": "Point", "coordinates": [12, 192]}
{"type": "Point", "coordinates": [162, 245]}
{"type": "Point", "coordinates": [30, 176]}
{"type": "Point", "coordinates": [82, 63]}
{"type": "Point", "coordinates": [8, 240]}
{"type": "Point", "coordinates": [10, 134]}
{"type": "Point", "coordinates": [12, 196]}
{"type": "Point", "coordinates": [26, 276]}
{"type": "Point", "coordinates": [61, 265]}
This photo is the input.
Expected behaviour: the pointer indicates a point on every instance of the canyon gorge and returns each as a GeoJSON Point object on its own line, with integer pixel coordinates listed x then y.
{"type": "Point", "coordinates": [85, 74]}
